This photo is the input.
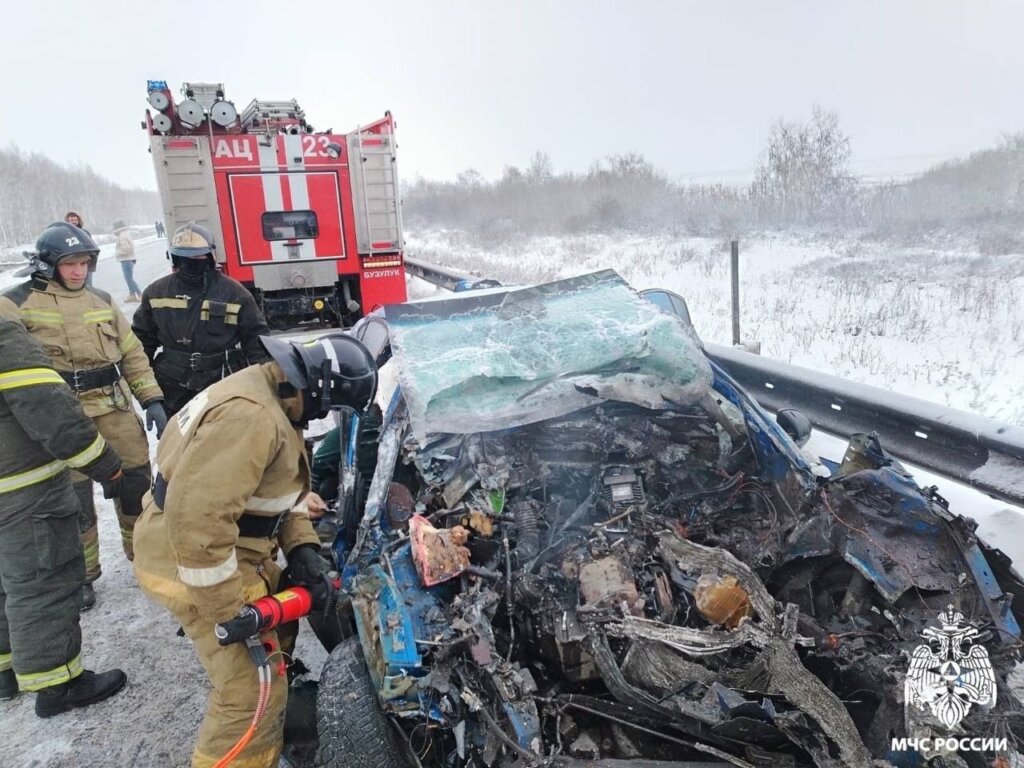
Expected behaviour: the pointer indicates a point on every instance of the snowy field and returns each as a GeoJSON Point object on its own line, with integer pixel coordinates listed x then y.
{"type": "Point", "coordinates": [940, 323]}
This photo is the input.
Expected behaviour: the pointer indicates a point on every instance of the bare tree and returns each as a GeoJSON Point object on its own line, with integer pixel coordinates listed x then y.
{"type": "Point", "coordinates": [35, 191]}
{"type": "Point", "coordinates": [802, 176]}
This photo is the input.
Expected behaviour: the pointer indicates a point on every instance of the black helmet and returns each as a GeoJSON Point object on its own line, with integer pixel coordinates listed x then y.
{"type": "Point", "coordinates": [333, 371]}
{"type": "Point", "coordinates": [59, 241]}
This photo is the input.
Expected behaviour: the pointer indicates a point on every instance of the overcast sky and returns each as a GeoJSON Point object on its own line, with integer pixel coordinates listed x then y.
{"type": "Point", "coordinates": [485, 83]}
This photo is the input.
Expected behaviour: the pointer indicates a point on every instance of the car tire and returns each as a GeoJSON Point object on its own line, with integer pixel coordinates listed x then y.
{"type": "Point", "coordinates": [352, 729]}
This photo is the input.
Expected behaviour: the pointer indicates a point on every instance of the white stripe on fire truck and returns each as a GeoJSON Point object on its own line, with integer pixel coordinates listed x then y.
{"type": "Point", "coordinates": [273, 198]}
{"type": "Point", "coordinates": [299, 185]}
{"type": "Point", "coordinates": [293, 151]}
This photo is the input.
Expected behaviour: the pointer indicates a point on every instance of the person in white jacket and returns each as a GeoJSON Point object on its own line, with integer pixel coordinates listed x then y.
{"type": "Point", "coordinates": [126, 256]}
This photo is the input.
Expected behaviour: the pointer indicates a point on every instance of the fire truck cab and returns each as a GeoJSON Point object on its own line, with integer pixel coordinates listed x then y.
{"type": "Point", "coordinates": [310, 221]}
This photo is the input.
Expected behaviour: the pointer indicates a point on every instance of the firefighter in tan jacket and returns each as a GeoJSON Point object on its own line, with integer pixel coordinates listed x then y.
{"type": "Point", "coordinates": [232, 468]}
{"type": "Point", "coordinates": [93, 348]}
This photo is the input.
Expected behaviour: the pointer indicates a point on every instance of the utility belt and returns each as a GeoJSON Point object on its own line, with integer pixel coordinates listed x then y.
{"type": "Point", "coordinates": [249, 526]}
{"type": "Point", "coordinates": [201, 361]}
{"type": "Point", "coordinates": [85, 379]}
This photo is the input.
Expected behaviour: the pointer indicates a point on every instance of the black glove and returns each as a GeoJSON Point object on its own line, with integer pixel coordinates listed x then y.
{"type": "Point", "coordinates": [305, 566]}
{"type": "Point", "coordinates": [156, 416]}
{"type": "Point", "coordinates": [113, 485]}
{"type": "Point", "coordinates": [130, 486]}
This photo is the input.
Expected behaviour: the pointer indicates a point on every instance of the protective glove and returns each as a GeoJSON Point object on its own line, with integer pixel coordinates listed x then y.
{"type": "Point", "coordinates": [156, 416]}
{"type": "Point", "coordinates": [113, 486]}
{"type": "Point", "coordinates": [306, 567]}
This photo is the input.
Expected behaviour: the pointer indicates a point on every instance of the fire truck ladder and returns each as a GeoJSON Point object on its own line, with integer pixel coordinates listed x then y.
{"type": "Point", "coordinates": [378, 213]}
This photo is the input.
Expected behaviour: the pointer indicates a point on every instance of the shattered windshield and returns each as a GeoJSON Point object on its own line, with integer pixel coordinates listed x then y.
{"type": "Point", "coordinates": [500, 360]}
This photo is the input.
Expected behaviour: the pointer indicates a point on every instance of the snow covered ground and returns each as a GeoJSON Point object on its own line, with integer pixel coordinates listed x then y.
{"type": "Point", "coordinates": [941, 323]}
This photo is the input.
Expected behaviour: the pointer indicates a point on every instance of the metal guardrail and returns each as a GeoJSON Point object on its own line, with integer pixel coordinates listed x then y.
{"type": "Point", "coordinates": [443, 276]}
{"type": "Point", "coordinates": [969, 449]}
{"type": "Point", "coordinates": [978, 452]}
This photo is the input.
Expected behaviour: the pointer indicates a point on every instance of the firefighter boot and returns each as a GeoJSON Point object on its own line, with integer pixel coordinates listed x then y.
{"type": "Point", "coordinates": [88, 688]}
{"type": "Point", "coordinates": [8, 685]}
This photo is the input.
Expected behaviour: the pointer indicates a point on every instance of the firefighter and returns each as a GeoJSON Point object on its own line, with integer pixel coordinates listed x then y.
{"type": "Point", "coordinates": [205, 324]}
{"type": "Point", "coordinates": [43, 431]}
{"type": "Point", "coordinates": [94, 350]}
{"type": "Point", "coordinates": [232, 466]}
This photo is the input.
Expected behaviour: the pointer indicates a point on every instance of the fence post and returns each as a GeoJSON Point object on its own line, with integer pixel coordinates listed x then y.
{"type": "Point", "coordinates": [734, 271]}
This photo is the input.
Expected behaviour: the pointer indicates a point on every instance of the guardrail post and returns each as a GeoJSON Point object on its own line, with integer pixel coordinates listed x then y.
{"type": "Point", "coordinates": [734, 271]}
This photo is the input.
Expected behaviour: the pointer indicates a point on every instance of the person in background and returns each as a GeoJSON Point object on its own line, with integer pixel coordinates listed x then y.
{"type": "Point", "coordinates": [126, 257]}
{"type": "Point", "coordinates": [75, 219]}
{"type": "Point", "coordinates": [43, 432]}
{"type": "Point", "coordinates": [94, 350]}
{"type": "Point", "coordinates": [159, 226]}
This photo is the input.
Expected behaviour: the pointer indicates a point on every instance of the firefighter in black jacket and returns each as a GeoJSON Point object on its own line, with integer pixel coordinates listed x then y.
{"type": "Point", "coordinates": [43, 433]}
{"type": "Point", "coordinates": [205, 324]}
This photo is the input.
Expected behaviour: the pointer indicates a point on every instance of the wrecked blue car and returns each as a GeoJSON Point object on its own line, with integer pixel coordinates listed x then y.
{"type": "Point", "coordinates": [572, 539]}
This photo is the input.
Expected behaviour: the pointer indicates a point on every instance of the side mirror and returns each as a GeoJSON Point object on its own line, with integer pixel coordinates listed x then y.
{"type": "Point", "coordinates": [669, 302]}
{"type": "Point", "coordinates": [794, 424]}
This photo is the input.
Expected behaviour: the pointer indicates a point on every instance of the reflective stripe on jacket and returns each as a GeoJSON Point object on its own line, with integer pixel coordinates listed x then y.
{"type": "Point", "coordinates": [84, 330]}
{"type": "Point", "coordinates": [43, 429]}
{"type": "Point", "coordinates": [231, 451]}
{"type": "Point", "coordinates": [214, 318]}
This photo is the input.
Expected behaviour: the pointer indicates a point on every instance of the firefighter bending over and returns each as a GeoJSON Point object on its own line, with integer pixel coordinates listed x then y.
{"type": "Point", "coordinates": [43, 431]}
{"type": "Point", "coordinates": [206, 324]}
{"type": "Point", "coordinates": [232, 467]}
{"type": "Point", "coordinates": [94, 350]}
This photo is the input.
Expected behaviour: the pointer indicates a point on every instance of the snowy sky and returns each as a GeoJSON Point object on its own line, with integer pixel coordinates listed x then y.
{"type": "Point", "coordinates": [694, 86]}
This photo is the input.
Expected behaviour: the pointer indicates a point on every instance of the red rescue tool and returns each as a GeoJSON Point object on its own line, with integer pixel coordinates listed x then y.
{"type": "Point", "coordinates": [265, 614]}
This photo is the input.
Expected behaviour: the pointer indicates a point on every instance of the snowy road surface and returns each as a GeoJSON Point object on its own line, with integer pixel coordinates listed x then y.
{"type": "Point", "coordinates": [154, 721]}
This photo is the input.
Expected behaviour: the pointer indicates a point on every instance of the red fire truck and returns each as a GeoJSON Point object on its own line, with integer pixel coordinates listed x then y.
{"type": "Point", "coordinates": [310, 221]}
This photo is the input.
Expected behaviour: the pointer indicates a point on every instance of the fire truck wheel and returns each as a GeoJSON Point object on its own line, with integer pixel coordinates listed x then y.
{"type": "Point", "coordinates": [352, 729]}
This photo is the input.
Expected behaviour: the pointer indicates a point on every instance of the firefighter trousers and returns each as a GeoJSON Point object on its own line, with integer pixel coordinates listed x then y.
{"type": "Point", "coordinates": [232, 702]}
{"type": "Point", "coordinates": [123, 430]}
{"type": "Point", "coordinates": [41, 569]}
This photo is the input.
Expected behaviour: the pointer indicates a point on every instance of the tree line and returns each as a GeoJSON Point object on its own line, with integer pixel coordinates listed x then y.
{"type": "Point", "coordinates": [36, 191]}
{"type": "Point", "coordinates": [802, 179]}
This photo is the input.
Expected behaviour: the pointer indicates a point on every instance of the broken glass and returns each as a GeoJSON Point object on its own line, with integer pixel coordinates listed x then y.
{"type": "Point", "coordinates": [500, 360]}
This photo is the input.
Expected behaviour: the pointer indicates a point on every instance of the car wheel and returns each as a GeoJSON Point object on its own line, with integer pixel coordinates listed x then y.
{"type": "Point", "coordinates": [351, 727]}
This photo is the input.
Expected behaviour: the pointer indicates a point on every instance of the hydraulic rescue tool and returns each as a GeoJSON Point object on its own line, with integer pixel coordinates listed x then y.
{"type": "Point", "coordinates": [271, 611]}
{"type": "Point", "coordinates": [263, 615]}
